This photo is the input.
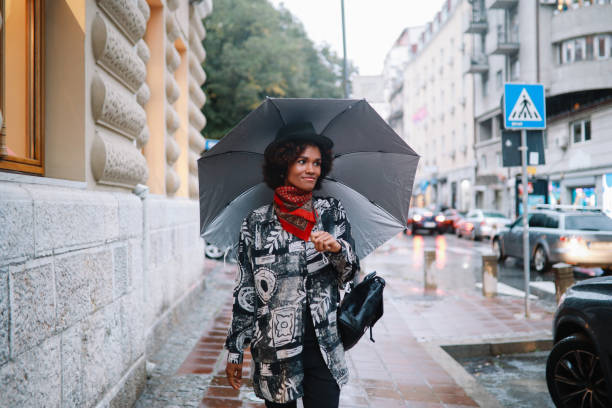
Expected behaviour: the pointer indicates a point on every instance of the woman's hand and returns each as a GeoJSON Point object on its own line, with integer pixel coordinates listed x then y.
{"type": "Point", "coordinates": [324, 242]}
{"type": "Point", "coordinates": [234, 375]}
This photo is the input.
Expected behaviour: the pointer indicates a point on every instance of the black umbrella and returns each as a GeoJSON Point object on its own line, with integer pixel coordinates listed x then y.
{"type": "Point", "coordinates": [372, 175]}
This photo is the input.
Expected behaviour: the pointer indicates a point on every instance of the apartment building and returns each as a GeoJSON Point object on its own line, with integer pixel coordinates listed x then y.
{"type": "Point", "coordinates": [100, 251]}
{"type": "Point", "coordinates": [567, 46]}
{"type": "Point", "coordinates": [438, 111]}
{"type": "Point", "coordinates": [396, 61]}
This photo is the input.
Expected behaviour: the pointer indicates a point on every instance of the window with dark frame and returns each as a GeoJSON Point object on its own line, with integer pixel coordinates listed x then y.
{"type": "Point", "coordinates": [580, 131]}
{"type": "Point", "coordinates": [22, 84]}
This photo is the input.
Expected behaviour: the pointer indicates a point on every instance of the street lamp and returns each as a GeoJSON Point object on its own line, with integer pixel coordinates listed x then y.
{"type": "Point", "coordinates": [344, 69]}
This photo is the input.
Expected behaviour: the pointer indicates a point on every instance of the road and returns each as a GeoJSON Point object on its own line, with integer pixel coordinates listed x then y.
{"type": "Point", "coordinates": [458, 263]}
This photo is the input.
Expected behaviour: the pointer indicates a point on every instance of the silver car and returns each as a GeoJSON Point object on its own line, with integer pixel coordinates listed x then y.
{"type": "Point", "coordinates": [579, 237]}
{"type": "Point", "coordinates": [478, 224]}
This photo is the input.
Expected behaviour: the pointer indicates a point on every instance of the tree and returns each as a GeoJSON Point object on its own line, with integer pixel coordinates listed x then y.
{"type": "Point", "coordinates": [254, 51]}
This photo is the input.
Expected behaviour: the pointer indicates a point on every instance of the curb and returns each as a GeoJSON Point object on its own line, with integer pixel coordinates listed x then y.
{"type": "Point", "coordinates": [445, 356]}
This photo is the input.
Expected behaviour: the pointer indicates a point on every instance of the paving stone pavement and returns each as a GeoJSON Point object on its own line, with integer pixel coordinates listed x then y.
{"type": "Point", "coordinates": [395, 371]}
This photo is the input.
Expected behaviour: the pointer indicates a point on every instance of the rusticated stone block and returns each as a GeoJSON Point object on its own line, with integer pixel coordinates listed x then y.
{"type": "Point", "coordinates": [116, 55]}
{"type": "Point", "coordinates": [196, 117]}
{"type": "Point", "coordinates": [4, 315]}
{"type": "Point", "coordinates": [173, 58]}
{"type": "Point", "coordinates": [65, 218]}
{"type": "Point", "coordinates": [135, 260]}
{"type": "Point", "coordinates": [130, 215]}
{"type": "Point", "coordinates": [112, 106]}
{"type": "Point", "coordinates": [117, 162]}
{"type": "Point", "coordinates": [127, 16]}
{"type": "Point", "coordinates": [72, 286]}
{"type": "Point", "coordinates": [17, 221]}
{"type": "Point", "coordinates": [100, 270]}
{"type": "Point", "coordinates": [94, 376]}
{"type": "Point", "coordinates": [132, 388]}
{"type": "Point", "coordinates": [32, 304]}
{"type": "Point", "coordinates": [33, 379]}
{"type": "Point", "coordinates": [121, 270]}
{"type": "Point", "coordinates": [72, 367]}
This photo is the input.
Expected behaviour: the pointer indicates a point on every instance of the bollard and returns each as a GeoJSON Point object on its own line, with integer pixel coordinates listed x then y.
{"type": "Point", "coordinates": [489, 275]}
{"type": "Point", "coordinates": [564, 278]}
{"type": "Point", "coordinates": [429, 278]}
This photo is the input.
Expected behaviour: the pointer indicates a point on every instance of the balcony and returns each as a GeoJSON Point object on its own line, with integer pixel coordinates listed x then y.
{"type": "Point", "coordinates": [507, 41]}
{"type": "Point", "coordinates": [503, 4]}
{"type": "Point", "coordinates": [476, 21]}
{"type": "Point", "coordinates": [477, 63]}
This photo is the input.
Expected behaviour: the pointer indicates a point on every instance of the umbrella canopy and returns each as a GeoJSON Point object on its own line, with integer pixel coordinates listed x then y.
{"type": "Point", "coordinates": [372, 175]}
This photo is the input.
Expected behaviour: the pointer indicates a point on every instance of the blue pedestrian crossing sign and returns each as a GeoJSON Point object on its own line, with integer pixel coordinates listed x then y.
{"type": "Point", "coordinates": [524, 106]}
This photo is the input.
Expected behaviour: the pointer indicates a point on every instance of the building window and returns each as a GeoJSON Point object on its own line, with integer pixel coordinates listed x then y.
{"type": "Point", "coordinates": [579, 45]}
{"type": "Point", "coordinates": [601, 45]}
{"type": "Point", "coordinates": [483, 162]}
{"type": "Point", "coordinates": [21, 103]}
{"type": "Point", "coordinates": [581, 131]}
{"type": "Point", "coordinates": [568, 52]}
{"type": "Point", "coordinates": [515, 69]}
{"type": "Point", "coordinates": [499, 79]}
{"type": "Point", "coordinates": [589, 48]}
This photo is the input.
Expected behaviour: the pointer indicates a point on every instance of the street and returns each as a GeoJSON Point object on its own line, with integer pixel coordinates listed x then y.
{"type": "Point", "coordinates": [458, 262]}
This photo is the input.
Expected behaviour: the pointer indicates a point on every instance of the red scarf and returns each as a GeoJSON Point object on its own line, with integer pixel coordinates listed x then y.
{"type": "Point", "coordinates": [295, 211]}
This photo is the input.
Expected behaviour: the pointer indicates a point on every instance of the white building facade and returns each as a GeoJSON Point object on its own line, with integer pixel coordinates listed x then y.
{"type": "Point", "coordinates": [567, 46]}
{"type": "Point", "coordinates": [438, 111]}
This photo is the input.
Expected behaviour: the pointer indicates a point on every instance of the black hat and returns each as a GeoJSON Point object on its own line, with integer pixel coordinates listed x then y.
{"type": "Point", "coordinates": [302, 132]}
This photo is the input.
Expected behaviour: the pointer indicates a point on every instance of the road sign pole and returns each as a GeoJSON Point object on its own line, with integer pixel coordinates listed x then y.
{"type": "Point", "coordinates": [526, 260]}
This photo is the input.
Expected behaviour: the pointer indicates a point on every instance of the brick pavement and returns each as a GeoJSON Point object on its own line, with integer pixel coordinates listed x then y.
{"type": "Point", "coordinates": [397, 370]}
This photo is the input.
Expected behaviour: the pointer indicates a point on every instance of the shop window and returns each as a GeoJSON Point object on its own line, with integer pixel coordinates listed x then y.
{"type": "Point", "coordinates": [581, 130]}
{"type": "Point", "coordinates": [21, 85]}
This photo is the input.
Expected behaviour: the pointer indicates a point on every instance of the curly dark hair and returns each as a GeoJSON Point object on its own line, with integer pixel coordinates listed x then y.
{"type": "Point", "coordinates": [279, 156]}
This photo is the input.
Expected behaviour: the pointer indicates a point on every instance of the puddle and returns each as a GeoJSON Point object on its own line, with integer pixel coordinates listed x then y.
{"type": "Point", "coordinates": [516, 380]}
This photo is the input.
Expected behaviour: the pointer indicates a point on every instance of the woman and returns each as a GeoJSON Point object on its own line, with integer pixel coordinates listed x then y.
{"type": "Point", "coordinates": [293, 255]}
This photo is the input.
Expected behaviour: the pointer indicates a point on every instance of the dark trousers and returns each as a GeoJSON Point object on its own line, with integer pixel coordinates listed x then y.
{"type": "Point", "coordinates": [320, 388]}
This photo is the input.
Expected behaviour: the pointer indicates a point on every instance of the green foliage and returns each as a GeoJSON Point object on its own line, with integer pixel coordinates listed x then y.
{"type": "Point", "coordinates": [253, 51]}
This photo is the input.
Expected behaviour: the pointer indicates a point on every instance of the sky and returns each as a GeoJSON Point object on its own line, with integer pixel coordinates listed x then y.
{"type": "Point", "coordinates": [371, 26]}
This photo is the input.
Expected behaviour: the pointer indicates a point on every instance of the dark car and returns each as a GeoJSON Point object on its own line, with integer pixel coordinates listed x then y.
{"type": "Point", "coordinates": [421, 219]}
{"type": "Point", "coordinates": [579, 367]}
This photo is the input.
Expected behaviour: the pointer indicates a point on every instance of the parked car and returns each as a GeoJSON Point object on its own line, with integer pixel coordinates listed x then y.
{"type": "Point", "coordinates": [420, 219]}
{"type": "Point", "coordinates": [581, 237]}
{"type": "Point", "coordinates": [449, 218]}
{"type": "Point", "coordinates": [482, 223]}
{"type": "Point", "coordinates": [579, 367]}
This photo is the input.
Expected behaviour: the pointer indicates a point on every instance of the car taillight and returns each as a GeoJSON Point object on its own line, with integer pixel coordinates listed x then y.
{"type": "Point", "coordinates": [572, 240]}
{"type": "Point", "coordinates": [417, 218]}
{"type": "Point", "coordinates": [440, 218]}
{"type": "Point", "coordinates": [483, 223]}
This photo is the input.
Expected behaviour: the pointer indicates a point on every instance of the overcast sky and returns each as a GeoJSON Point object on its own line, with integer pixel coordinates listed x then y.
{"type": "Point", "coordinates": [371, 26]}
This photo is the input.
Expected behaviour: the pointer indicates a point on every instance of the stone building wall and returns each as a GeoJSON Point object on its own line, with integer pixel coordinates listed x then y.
{"type": "Point", "coordinates": [95, 269]}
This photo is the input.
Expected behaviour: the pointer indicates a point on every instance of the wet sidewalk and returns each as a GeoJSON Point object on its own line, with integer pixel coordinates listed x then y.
{"type": "Point", "coordinates": [402, 369]}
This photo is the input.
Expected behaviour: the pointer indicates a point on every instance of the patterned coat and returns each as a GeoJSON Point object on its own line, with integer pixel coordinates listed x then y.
{"type": "Point", "coordinates": [278, 276]}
